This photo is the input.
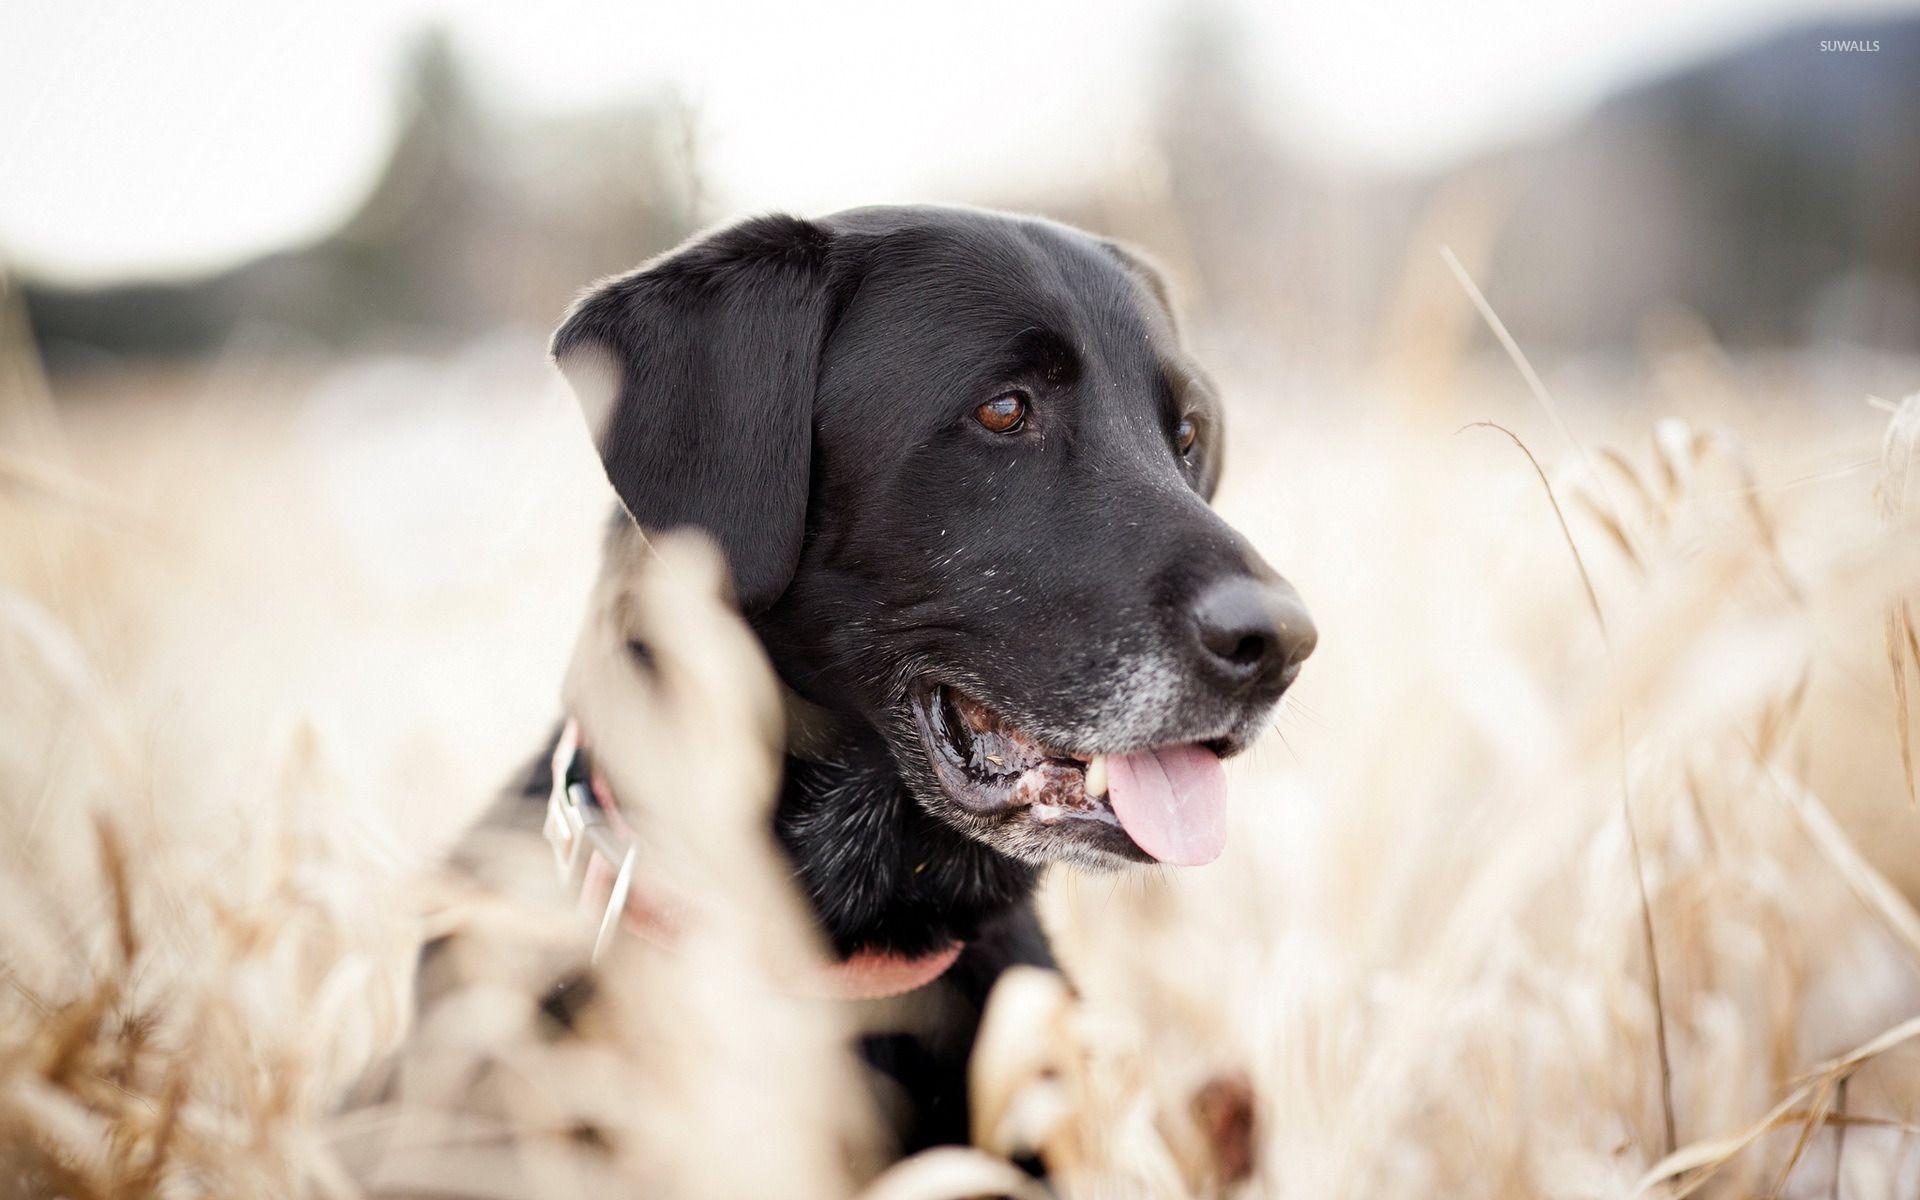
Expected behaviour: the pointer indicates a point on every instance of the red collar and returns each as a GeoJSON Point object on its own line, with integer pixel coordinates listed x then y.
{"type": "Point", "coordinates": [597, 854]}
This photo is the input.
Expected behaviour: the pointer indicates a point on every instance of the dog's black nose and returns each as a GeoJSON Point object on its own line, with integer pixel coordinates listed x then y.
{"type": "Point", "coordinates": [1253, 631]}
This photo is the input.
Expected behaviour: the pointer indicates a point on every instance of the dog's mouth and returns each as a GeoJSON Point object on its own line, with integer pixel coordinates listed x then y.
{"type": "Point", "coordinates": [1154, 804]}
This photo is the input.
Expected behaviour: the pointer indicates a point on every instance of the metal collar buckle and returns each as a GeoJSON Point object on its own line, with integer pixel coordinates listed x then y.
{"type": "Point", "coordinates": [578, 829]}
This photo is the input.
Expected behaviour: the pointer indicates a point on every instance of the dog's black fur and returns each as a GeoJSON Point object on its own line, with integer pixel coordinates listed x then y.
{"type": "Point", "coordinates": [806, 393]}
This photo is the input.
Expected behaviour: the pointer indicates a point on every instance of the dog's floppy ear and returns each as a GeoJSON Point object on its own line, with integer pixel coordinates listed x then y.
{"type": "Point", "coordinates": [1142, 267]}
{"type": "Point", "coordinates": [696, 374]}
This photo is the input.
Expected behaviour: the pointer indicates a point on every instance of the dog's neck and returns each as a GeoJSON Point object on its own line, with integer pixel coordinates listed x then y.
{"type": "Point", "coordinates": [880, 871]}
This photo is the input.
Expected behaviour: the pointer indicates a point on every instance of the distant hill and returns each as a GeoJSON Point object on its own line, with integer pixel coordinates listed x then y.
{"type": "Point", "coordinates": [1774, 191]}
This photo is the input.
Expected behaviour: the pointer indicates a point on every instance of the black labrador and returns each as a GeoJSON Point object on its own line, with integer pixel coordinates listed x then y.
{"type": "Point", "coordinates": [958, 463]}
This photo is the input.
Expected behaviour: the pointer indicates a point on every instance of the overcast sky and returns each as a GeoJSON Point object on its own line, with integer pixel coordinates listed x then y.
{"type": "Point", "coordinates": [155, 137]}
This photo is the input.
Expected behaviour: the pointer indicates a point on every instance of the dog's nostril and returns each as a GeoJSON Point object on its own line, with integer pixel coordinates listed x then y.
{"type": "Point", "coordinates": [1233, 630]}
{"type": "Point", "coordinates": [1249, 650]}
{"type": "Point", "coordinates": [1252, 629]}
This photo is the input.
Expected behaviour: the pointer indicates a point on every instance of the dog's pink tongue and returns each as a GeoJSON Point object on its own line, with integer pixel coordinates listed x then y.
{"type": "Point", "coordinates": [1172, 802]}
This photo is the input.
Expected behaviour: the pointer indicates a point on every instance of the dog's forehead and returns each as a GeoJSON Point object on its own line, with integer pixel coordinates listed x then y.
{"type": "Point", "coordinates": [968, 270]}
{"type": "Point", "coordinates": [955, 286]}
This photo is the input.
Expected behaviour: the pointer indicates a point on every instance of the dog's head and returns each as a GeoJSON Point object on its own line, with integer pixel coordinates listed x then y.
{"type": "Point", "coordinates": [959, 465]}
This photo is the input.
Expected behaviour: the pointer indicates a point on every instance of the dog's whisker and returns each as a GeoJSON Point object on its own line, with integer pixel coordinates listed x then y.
{"type": "Point", "coordinates": [1293, 706]}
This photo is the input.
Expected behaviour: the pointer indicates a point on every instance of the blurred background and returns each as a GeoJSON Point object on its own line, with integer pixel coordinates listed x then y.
{"type": "Point", "coordinates": [297, 528]}
{"type": "Point", "coordinates": [216, 179]}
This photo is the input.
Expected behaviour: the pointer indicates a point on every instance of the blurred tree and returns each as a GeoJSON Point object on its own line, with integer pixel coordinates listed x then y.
{"type": "Point", "coordinates": [476, 222]}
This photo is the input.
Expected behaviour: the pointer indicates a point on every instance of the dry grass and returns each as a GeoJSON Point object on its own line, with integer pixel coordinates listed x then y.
{"type": "Point", "coordinates": [263, 648]}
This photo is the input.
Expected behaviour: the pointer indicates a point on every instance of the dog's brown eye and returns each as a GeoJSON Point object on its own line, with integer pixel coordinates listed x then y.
{"type": "Point", "coordinates": [1185, 434]}
{"type": "Point", "coordinates": [1003, 414]}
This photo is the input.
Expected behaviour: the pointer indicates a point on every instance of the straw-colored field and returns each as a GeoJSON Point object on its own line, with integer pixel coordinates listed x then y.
{"type": "Point", "coordinates": [269, 634]}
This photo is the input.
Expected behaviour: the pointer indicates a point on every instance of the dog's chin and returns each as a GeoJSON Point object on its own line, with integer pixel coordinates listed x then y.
{"type": "Point", "coordinates": [1030, 800]}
